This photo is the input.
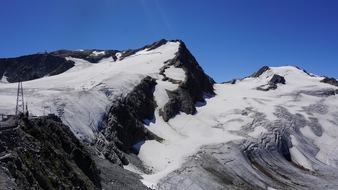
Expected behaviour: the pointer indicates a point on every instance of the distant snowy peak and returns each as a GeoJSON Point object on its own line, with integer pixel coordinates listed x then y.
{"type": "Point", "coordinates": [269, 78]}
{"type": "Point", "coordinates": [283, 71]}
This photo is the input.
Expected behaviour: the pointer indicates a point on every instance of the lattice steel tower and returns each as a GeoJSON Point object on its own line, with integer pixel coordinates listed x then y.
{"type": "Point", "coordinates": [20, 104]}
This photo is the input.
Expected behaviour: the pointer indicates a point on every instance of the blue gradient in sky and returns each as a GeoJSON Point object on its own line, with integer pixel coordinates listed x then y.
{"type": "Point", "coordinates": [229, 38]}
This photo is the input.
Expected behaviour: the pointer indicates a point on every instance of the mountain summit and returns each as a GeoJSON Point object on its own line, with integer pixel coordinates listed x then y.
{"type": "Point", "coordinates": [153, 117]}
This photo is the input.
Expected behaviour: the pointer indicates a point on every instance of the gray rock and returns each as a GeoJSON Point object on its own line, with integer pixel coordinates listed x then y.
{"type": "Point", "coordinates": [331, 81]}
{"type": "Point", "coordinates": [277, 79]}
{"type": "Point", "coordinates": [260, 72]}
{"type": "Point", "coordinates": [44, 154]}
{"type": "Point", "coordinates": [272, 84]}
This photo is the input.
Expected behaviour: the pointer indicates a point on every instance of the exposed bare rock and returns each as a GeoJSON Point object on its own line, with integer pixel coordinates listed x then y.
{"type": "Point", "coordinates": [331, 81]}
{"type": "Point", "coordinates": [44, 154]}
{"type": "Point", "coordinates": [125, 123]}
{"type": "Point", "coordinates": [260, 72]}
{"type": "Point", "coordinates": [193, 89]}
{"type": "Point", "coordinates": [32, 67]}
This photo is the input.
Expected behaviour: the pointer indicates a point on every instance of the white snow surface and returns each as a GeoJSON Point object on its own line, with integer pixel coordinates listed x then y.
{"type": "Point", "coordinates": [175, 73]}
{"type": "Point", "coordinates": [297, 156]}
{"type": "Point", "coordinates": [216, 121]}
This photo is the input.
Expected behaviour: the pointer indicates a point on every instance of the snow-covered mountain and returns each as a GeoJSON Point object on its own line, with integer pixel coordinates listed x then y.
{"type": "Point", "coordinates": [154, 112]}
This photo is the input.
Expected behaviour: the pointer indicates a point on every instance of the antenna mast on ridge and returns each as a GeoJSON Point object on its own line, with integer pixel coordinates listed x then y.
{"type": "Point", "coordinates": [20, 104]}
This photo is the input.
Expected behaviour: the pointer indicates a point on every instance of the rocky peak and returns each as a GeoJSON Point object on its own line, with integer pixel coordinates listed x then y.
{"type": "Point", "coordinates": [331, 81]}
{"type": "Point", "coordinates": [196, 86]}
{"type": "Point", "coordinates": [260, 72]}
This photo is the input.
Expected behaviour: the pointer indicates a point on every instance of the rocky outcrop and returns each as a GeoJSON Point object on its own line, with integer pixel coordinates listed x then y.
{"type": "Point", "coordinates": [193, 89]}
{"type": "Point", "coordinates": [125, 122]}
{"type": "Point", "coordinates": [32, 67]}
{"type": "Point", "coordinates": [42, 153]}
{"type": "Point", "coordinates": [277, 79]}
{"type": "Point", "coordinates": [260, 72]}
{"type": "Point", "coordinates": [114, 176]}
{"type": "Point", "coordinates": [272, 84]}
{"type": "Point", "coordinates": [331, 81]}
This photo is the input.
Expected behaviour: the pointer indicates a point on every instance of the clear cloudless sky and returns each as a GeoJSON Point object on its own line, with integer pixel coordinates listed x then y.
{"type": "Point", "coordinates": [229, 38]}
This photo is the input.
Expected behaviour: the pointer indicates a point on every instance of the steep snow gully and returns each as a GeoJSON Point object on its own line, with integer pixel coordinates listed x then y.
{"type": "Point", "coordinates": [152, 116]}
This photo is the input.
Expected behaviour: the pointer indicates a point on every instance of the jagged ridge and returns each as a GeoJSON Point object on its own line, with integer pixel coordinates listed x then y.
{"type": "Point", "coordinates": [32, 67]}
{"type": "Point", "coordinates": [44, 154]}
{"type": "Point", "coordinates": [196, 86]}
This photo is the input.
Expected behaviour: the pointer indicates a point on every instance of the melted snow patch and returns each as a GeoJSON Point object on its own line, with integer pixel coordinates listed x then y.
{"type": "Point", "coordinates": [160, 93]}
{"type": "Point", "coordinates": [175, 73]}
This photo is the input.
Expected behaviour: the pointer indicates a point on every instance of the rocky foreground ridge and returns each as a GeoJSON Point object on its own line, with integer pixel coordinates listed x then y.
{"type": "Point", "coordinates": [42, 153]}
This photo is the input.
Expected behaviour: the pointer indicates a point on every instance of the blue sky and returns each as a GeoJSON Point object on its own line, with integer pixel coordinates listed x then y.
{"type": "Point", "coordinates": [229, 38]}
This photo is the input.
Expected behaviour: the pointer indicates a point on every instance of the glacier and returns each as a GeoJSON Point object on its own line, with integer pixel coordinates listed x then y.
{"type": "Point", "coordinates": [251, 133]}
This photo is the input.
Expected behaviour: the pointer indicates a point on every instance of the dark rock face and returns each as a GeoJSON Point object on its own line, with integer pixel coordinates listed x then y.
{"type": "Point", "coordinates": [283, 145]}
{"type": "Point", "coordinates": [193, 89]}
{"type": "Point", "coordinates": [277, 79]}
{"type": "Point", "coordinates": [272, 84]}
{"type": "Point", "coordinates": [125, 122]}
{"type": "Point", "coordinates": [44, 154]}
{"type": "Point", "coordinates": [260, 72]}
{"type": "Point", "coordinates": [331, 81]}
{"type": "Point", "coordinates": [32, 67]}
{"type": "Point", "coordinates": [86, 54]}
{"type": "Point", "coordinates": [115, 177]}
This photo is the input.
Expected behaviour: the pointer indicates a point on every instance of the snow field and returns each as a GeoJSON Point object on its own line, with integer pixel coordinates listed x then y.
{"type": "Point", "coordinates": [225, 113]}
{"type": "Point", "coordinates": [83, 94]}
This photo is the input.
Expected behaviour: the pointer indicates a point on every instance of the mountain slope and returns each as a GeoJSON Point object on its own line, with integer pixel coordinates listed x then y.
{"type": "Point", "coordinates": [154, 112]}
{"type": "Point", "coordinates": [94, 98]}
{"type": "Point", "coordinates": [286, 136]}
